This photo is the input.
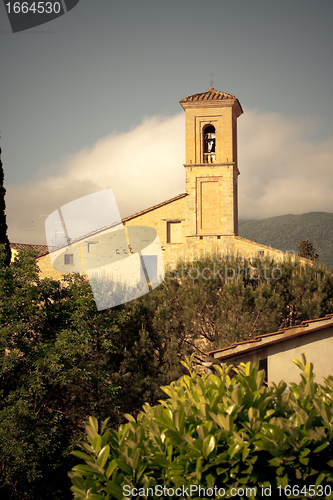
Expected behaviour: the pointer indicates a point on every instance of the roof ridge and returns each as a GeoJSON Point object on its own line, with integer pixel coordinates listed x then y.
{"type": "Point", "coordinates": [123, 221]}
{"type": "Point", "coordinates": [258, 338]}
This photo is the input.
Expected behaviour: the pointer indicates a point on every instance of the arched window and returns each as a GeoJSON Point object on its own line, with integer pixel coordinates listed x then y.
{"type": "Point", "coordinates": [209, 144]}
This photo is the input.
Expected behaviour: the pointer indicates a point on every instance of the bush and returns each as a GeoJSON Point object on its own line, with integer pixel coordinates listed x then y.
{"type": "Point", "coordinates": [216, 431]}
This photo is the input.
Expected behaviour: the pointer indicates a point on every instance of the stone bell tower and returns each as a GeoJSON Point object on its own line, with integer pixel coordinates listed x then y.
{"type": "Point", "coordinates": [211, 164]}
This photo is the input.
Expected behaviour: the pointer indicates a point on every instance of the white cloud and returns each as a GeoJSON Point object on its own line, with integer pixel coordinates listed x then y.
{"type": "Point", "coordinates": [281, 172]}
{"type": "Point", "coordinates": [143, 167]}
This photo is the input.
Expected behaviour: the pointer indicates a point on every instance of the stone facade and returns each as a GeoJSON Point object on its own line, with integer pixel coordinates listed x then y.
{"type": "Point", "coordinates": [211, 176]}
{"type": "Point", "coordinates": [202, 221]}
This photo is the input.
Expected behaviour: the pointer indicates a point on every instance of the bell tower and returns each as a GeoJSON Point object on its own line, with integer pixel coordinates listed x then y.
{"type": "Point", "coordinates": [211, 163]}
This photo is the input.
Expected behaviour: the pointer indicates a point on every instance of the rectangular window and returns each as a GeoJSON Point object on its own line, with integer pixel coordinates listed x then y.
{"type": "Point", "coordinates": [174, 232]}
{"type": "Point", "coordinates": [69, 259]}
{"type": "Point", "coordinates": [149, 266]}
{"type": "Point", "coordinates": [261, 254]}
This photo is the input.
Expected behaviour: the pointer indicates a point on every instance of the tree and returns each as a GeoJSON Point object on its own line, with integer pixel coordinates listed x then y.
{"type": "Point", "coordinates": [208, 305]}
{"type": "Point", "coordinates": [3, 224]}
{"type": "Point", "coordinates": [307, 250]}
{"type": "Point", "coordinates": [61, 360]}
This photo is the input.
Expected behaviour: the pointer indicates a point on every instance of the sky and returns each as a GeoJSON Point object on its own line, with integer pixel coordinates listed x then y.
{"type": "Point", "coordinates": [90, 101]}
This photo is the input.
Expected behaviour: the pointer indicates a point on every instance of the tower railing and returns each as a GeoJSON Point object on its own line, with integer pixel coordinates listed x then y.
{"type": "Point", "coordinates": [209, 157]}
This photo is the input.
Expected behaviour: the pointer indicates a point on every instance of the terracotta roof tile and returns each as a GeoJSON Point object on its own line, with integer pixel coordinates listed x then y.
{"type": "Point", "coordinates": [211, 94]}
{"type": "Point", "coordinates": [42, 249]}
{"type": "Point", "coordinates": [282, 334]}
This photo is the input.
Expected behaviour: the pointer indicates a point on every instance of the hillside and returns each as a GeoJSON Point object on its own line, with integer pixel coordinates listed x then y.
{"type": "Point", "coordinates": [286, 231]}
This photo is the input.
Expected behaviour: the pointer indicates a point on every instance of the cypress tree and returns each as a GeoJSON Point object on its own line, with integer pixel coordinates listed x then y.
{"type": "Point", "coordinates": [3, 224]}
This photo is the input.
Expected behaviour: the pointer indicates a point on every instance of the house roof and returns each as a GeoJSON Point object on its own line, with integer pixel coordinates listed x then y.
{"type": "Point", "coordinates": [42, 249]}
{"type": "Point", "coordinates": [171, 200]}
{"type": "Point", "coordinates": [211, 94]}
{"type": "Point", "coordinates": [281, 335]}
{"type": "Point", "coordinates": [124, 220]}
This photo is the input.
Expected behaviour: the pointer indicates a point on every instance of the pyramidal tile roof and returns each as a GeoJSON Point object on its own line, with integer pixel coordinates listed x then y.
{"type": "Point", "coordinates": [210, 95]}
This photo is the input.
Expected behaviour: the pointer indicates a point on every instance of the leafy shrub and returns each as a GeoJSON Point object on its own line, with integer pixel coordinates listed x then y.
{"type": "Point", "coordinates": [216, 430]}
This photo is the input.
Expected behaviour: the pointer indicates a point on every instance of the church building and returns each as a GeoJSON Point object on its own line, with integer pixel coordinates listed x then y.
{"type": "Point", "coordinates": [203, 221]}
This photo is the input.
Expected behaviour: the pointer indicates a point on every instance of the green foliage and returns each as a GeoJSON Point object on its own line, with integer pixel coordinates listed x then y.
{"type": "Point", "coordinates": [61, 361]}
{"type": "Point", "coordinates": [286, 231]}
{"type": "Point", "coordinates": [215, 430]}
{"type": "Point", "coordinates": [307, 250]}
{"type": "Point", "coordinates": [208, 304]}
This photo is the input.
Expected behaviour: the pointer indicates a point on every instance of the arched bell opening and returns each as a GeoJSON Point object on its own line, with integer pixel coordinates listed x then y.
{"type": "Point", "coordinates": [209, 144]}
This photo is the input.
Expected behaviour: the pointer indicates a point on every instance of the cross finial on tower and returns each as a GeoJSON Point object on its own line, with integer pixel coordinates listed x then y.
{"type": "Point", "coordinates": [211, 81]}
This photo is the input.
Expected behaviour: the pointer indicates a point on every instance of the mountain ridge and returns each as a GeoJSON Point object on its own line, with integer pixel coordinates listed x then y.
{"type": "Point", "coordinates": [285, 232]}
